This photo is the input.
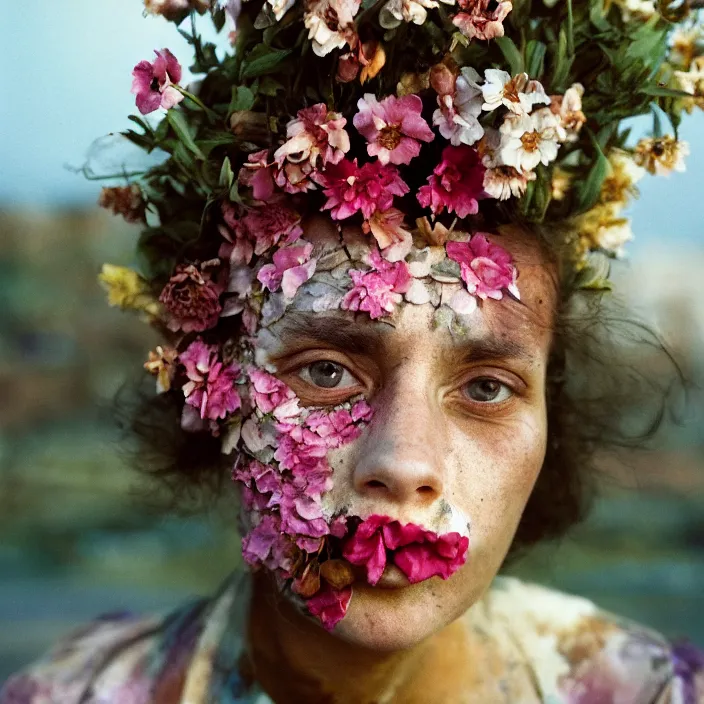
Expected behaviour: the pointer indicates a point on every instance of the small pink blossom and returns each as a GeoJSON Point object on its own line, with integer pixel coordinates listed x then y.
{"type": "Point", "coordinates": [329, 605]}
{"type": "Point", "coordinates": [482, 19]}
{"type": "Point", "coordinates": [211, 383]}
{"type": "Point", "coordinates": [487, 269]}
{"type": "Point", "coordinates": [456, 184]}
{"type": "Point", "coordinates": [418, 553]}
{"type": "Point", "coordinates": [153, 83]}
{"type": "Point", "coordinates": [301, 512]}
{"type": "Point", "coordinates": [369, 188]}
{"type": "Point", "coordinates": [299, 458]}
{"type": "Point", "coordinates": [192, 297]}
{"type": "Point", "coordinates": [257, 173]}
{"type": "Point", "coordinates": [390, 234]}
{"type": "Point", "coordinates": [268, 393]}
{"type": "Point", "coordinates": [266, 545]}
{"type": "Point", "coordinates": [393, 127]}
{"type": "Point", "coordinates": [316, 136]}
{"type": "Point", "coordinates": [292, 267]}
{"type": "Point", "coordinates": [257, 230]}
{"type": "Point", "coordinates": [378, 290]}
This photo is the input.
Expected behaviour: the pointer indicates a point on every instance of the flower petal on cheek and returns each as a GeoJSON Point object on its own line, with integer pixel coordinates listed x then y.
{"type": "Point", "coordinates": [369, 552]}
{"type": "Point", "coordinates": [330, 605]}
{"type": "Point", "coordinates": [438, 559]}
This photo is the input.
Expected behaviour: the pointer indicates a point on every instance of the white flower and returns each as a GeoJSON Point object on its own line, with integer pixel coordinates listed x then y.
{"type": "Point", "coordinates": [330, 24]}
{"type": "Point", "coordinates": [612, 238]}
{"type": "Point", "coordinates": [528, 140]}
{"type": "Point", "coordinates": [396, 11]}
{"type": "Point", "coordinates": [568, 108]}
{"type": "Point", "coordinates": [281, 7]}
{"type": "Point", "coordinates": [456, 118]}
{"type": "Point", "coordinates": [636, 9]}
{"type": "Point", "coordinates": [518, 94]}
{"type": "Point", "coordinates": [502, 182]}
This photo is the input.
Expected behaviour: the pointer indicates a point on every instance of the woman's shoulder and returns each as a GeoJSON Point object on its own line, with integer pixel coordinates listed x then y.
{"type": "Point", "coordinates": [580, 654]}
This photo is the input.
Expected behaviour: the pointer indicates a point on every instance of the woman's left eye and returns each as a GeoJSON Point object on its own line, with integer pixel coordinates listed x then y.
{"type": "Point", "coordinates": [327, 375]}
{"type": "Point", "coordinates": [487, 390]}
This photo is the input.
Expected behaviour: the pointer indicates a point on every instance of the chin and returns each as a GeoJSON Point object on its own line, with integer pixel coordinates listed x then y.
{"type": "Point", "coordinates": [387, 620]}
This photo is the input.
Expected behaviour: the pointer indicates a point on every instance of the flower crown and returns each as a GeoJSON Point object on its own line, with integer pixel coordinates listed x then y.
{"type": "Point", "coordinates": [424, 126]}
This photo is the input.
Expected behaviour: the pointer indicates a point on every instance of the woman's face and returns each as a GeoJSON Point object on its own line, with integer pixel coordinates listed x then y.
{"type": "Point", "coordinates": [456, 441]}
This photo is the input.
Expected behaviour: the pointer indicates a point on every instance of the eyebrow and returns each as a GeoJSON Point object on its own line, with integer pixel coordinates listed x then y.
{"type": "Point", "coordinates": [333, 330]}
{"type": "Point", "coordinates": [489, 347]}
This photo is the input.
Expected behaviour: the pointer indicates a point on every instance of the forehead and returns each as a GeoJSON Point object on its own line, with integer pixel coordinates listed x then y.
{"type": "Point", "coordinates": [505, 327]}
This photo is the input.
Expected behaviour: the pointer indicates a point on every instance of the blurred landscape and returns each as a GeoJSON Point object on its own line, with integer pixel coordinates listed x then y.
{"type": "Point", "coordinates": [79, 538]}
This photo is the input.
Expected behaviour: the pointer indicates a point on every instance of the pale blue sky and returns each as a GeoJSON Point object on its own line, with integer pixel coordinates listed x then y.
{"type": "Point", "coordinates": [67, 76]}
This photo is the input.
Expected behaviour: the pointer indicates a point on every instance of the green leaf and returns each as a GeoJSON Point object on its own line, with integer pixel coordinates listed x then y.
{"type": "Point", "coordinates": [142, 123]}
{"type": "Point", "coordinates": [242, 99]}
{"type": "Point", "coordinates": [661, 92]}
{"type": "Point", "coordinates": [162, 130]}
{"type": "Point", "coordinates": [535, 58]}
{"type": "Point", "coordinates": [227, 175]}
{"type": "Point", "coordinates": [180, 126]}
{"type": "Point", "coordinates": [269, 86]}
{"type": "Point", "coordinates": [265, 62]}
{"type": "Point", "coordinates": [511, 54]}
{"type": "Point", "coordinates": [563, 63]}
{"type": "Point", "coordinates": [570, 30]}
{"type": "Point", "coordinates": [591, 188]}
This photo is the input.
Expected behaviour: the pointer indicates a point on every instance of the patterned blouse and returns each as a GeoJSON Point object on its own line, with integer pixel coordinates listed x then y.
{"type": "Point", "coordinates": [574, 654]}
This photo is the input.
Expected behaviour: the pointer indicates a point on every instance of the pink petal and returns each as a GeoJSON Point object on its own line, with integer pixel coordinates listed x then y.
{"type": "Point", "coordinates": [330, 605]}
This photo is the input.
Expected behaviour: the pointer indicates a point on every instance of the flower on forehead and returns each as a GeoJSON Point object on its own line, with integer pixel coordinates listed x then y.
{"type": "Point", "coordinates": [379, 290]}
{"type": "Point", "coordinates": [292, 266]}
{"type": "Point", "coordinates": [519, 94]}
{"type": "Point", "coordinates": [529, 140]}
{"type": "Point", "coordinates": [257, 173]}
{"type": "Point", "coordinates": [487, 269]}
{"type": "Point", "coordinates": [161, 363]}
{"type": "Point", "coordinates": [211, 383]}
{"type": "Point", "coordinates": [502, 182]}
{"type": "Point", "coordinates": [390, 234]}
{"type": "Point", "coordinates": [456, 184]}
{"type": "Point", "coordinates": [316, 136]}
{"type": "Point", "coordinates": [175, 9]}
{"type": "Point", "coordinates": [482, 19]}
{"type": "Point", "coordinates": [460, 104]}
{"type": "Point", "coordinates": [270, 394]}
{"type": "Point", "coordinates": [127, 289]}
{"type": "Point", "coordinates": [192, 298]}
{"type": "Point", "coordinates": [392, 127]}
{"type": "Point", "coordinates": [396, 11]}
{"type": "Point", "coordinates": [153, 83]}
{"type": "Point", "coordinates": [330, 24]}
{"type": "Point", "coordinates": [266, 545]}
{"type": "Point", "coordinates": [257, 230]}
{"type": "Point", "coordinates": [329, 605]}
{"type": "Point", "coordinates": [124, 200]}
{"type": "Point", "coordinates": [350, 188]}
{"type": "Point", "coordinates": [661, 155]}
{"type": "Point", "coordinates": [568, 109]}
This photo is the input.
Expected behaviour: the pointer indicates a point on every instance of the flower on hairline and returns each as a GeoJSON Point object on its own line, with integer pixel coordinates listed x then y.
{"type": "Point", "coordinates": [482, 19]}
{"type": "Point", "coordinates": [292, 266]}
{"type": "Point", "coordinates": [456, 184]}
{"type": "Point", "coordinates": [211, 383]}
{"type": "Point", "coordinates": [393, 127]}
{"type": "Point", "coordinates": [487, 269]}
{"type": "Point", "coordinates": [460, 104]}
{"type": "Point", "coordinates": [153, 83]}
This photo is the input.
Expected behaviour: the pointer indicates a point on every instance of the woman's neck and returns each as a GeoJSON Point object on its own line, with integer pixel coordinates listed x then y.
{"type": "Point", "coordinates": [296, 661]}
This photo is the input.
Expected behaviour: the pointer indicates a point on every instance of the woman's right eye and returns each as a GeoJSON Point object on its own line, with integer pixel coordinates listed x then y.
{"type": "Point", "coordinates": [327, 374]}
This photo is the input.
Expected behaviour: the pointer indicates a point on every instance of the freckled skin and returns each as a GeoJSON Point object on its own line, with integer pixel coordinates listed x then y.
{"type": "Point", "coordinates": [434, 457]}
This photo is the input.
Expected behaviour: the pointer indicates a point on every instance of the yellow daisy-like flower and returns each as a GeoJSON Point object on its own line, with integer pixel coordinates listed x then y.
{"type": "Point", "coordinates": [619, 186]}
{"type": "Point", "coordinates": [692, 82]}
{"type": "Point", "coordinates": [161, 364]}
{"type": "Point", "coordinates": [602, 227]}
{"type": "Point", "coordinates": [661, 155]}
{"type": "Point", "coordinates": [128, 290]}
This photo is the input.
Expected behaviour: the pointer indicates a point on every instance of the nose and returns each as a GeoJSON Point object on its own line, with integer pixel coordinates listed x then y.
{"type": "Point", "coordinates": [402, 460]}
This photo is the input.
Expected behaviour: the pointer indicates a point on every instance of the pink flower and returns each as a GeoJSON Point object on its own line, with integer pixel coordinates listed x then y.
{"type": "Point", "coordinates": [456, 183]}
{"type": "Point", "coordinates": [153, 83]}
{"type": "Point", "coordinates": [291, 268]}
{"type": "Point", "coordinates": [392, 127]}
{"type": "Point", "coordinates": [262, 477]}
{"type": "Point", "coordinates": [257, 231]}
{"type": "Point", "coordinates": [369, 188]}
{"type": "Point", "coordinates": [330, 605]}
{"type": "Point", "coordinates": [266, 545]}
{"type": "Point", "coordinates": [192, 298]}
{"type": "Point", "coordinates": [298, 457]}
{"type": "Point", "coordinates": [389, 233]}
{"type": "Point", "coordinates": [379, 290]}
{"type": "Point", "coordinates": [301, 512]}
{"type": "Point", "coordinates": [339, 427]}
{"type": "Point", "coordinates": [257, 174]}
{"type": "Point", "coordinates": [316, 136]}
{"type": "Point", "coordinates": [211, 383]}
{"type": "Point", "coordinates": [418, 553]}
{"type": "Point", "coordinates": [269, 394]}
{"type": "Point", "coordinates": [482, 19]}
{"type": "Point", "coordinates": [486, 268]}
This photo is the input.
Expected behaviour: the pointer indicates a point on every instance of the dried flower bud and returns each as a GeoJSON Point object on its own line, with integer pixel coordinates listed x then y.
{"type": "Point", "coordinates": [435, 235]}
{"type": "Point", "coordinates": [442, 79]}
{"type": "Point", "coordinates": [413, 83]}
{"type": "Point", "coordinates": [124, 200]}
{"type": "Point", "coordinates": [161, 364]}
{"type": "Point", "coordinates": [337, 573]}
{"type": "Point", "coordinates": [347, 68]}
{"type": "Point", "coordinates": [373, 57]}
{"type": "Point", "coordinates": [308, 583]}
{"type": "Point", "coordinates": [174, 10]}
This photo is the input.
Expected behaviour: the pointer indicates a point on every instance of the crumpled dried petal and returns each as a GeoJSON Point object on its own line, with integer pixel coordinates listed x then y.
{"type": "Point", "coordinates": [330, 605]}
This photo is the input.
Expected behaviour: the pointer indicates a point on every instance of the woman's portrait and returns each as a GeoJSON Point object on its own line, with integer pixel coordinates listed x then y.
{"type": "Point", "coordinates": [369, 401]}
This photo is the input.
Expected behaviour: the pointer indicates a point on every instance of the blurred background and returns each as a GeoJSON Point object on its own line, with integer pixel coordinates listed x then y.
{"type": "Point", "coordinates": [76, 536]}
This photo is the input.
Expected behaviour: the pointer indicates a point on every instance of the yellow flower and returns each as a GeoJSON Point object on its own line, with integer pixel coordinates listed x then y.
{"type": "Point", "coordinates": [128, 290]}
{"type": "Point", "coordinates": [692, 82]}
{"type": "Point", "coordinates": [686, 43]}
{"type": "Point", "coordinates": [661, 155]}
{"type": "Point", "coordinates": [619, 186]}
{"type": "Point", "coordinates": [602, 227]}
{"type": "Point", "coordinates": [561, 183]}
{"type": "Point", "coordinates": [161, 364]}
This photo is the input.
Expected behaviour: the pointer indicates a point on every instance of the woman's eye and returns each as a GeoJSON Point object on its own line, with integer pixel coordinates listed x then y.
{"type": "Point", "coordinates": [327, 375]}
{"type": "Point", "coordinates": [486, 390]}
